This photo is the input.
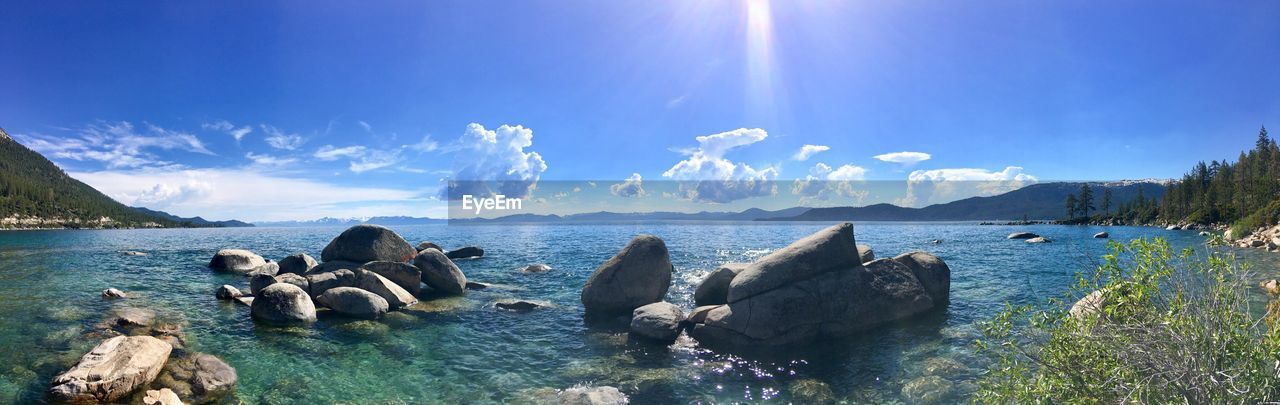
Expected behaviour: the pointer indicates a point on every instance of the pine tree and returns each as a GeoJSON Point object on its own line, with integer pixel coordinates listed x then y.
{"type": "Point", "coordinates": [1086, 201]}
{"type": "Point", "coordinates": [1106, 201]}
{"type": "Point", "coordinates": [1071, 207]}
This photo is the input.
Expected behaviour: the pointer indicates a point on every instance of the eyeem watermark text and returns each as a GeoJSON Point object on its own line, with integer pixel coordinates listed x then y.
{"type": "Point", "coordinates": [497, 203]}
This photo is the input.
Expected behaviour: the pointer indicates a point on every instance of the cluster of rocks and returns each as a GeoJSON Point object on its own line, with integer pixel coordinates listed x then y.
{"type": "Point", "coordinates": [364, 272]}
{"type": "Point", "coordinates": [822, 286]}
{"type": "Point", "coordinates": [142, 357]}
{"type": "Point", "coordinates": [1267, 239]}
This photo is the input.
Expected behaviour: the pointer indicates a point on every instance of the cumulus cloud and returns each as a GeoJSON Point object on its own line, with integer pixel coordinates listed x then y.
{"type": "Point", "coordinates": [904, 158]}
{"type": "Point", "coordinates": [926, 187]}
{"type": "Point", "coordinates": [253, 195]}
{"type": "Point", "coordinates": [707, 176]}
{"type": "Point", "coordinates": [824, 183]}
{"type": "Point", "coordinates": [280, 140]}
{"type": "Point", "coordinates": [228, 128]}
{"type": "Point", "coordinates": [498, 156]}
{"type": "Point", "coordinates": [116, 144]}
{"type": "Point", "coordinates": [632, 187]}
{"type": "Point", "coordinates": [809, 150]}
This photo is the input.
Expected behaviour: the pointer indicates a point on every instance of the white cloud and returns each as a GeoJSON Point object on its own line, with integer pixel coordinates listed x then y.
{"type": "Point", "coordinates": [809, 150]}
{"type": "Point", "coordinates": [228, 128]}
{"type": "Point", "coordinates": [495, 156]}
{"type": "Point", "coordinates": [116, 145]}
{"type": "Point", "coordinates": [926, 187]}
{"type": "Point", "coordinates": [905, 158]}
{"type": "Point", "coordinates": [632, 187]}
{"type": "Point", "coordinates": [252, 195]}
{"type": "Point", "coordinates": [706, 176]}
{"type": "Point", "coordinates": [268, 160]}
{"type": "Point", "coordinates": [825, 183]}
{"type": "Point", "coordinates": [280, 140]}
{"type": "Point", "coordinates": [375, 159]}
{"type": "Point", "coordinates": [425, 145]}
{"type": "Point", "coordinates": [329, 152]}
{"type": "Point", "coordinates": [367, 128]}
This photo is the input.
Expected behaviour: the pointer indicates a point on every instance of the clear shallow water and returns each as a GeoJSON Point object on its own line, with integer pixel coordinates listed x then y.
{"type": "Point", "coordinates": [462, 350]}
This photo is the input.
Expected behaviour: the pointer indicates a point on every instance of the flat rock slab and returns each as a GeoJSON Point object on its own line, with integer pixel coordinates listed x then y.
{"type": "Point", "coordinates": [112, 370]}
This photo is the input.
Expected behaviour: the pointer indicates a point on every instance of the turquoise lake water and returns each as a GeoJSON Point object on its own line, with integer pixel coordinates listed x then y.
{"type": "Point", "coordinates": [462, 350]}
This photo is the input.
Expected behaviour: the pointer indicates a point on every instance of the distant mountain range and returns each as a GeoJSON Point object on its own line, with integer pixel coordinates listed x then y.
{"type": "Point", "coordinates": [1044, 201]}
{"type": "Point", "coordinates": [194, 221]}
{"type": "Point", "coordinates": [1038, 202]}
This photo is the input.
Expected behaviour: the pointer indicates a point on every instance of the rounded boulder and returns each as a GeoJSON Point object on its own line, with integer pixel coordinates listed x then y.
{"type": "Point", "coordinates": [368, 243]}
{"type": "Point", "coordinates": [283, 303]}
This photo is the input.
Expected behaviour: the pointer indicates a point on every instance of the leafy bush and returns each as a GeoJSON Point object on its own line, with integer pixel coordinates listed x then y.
{"type": "Point", "coordinates": [1171, 328]}
{"type": "Point", "coordinates": [1263, 217]}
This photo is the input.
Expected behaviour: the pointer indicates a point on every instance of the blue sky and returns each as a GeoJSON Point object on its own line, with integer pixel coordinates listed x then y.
{"type": "Point", "coordinates": [360, 111]}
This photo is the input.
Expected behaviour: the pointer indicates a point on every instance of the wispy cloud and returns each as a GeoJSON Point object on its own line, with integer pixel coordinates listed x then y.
{"type": "Point", "coordinates": [268, 160]}
{"type": "Point", "coordinates": [116, 144]}
{"type": "Point", "coordinates": [228, 128]}
{"type": "Point", "coordinates": [281, 140]}
{"type": "Point", "coordinates": [330, 152]}
{"type": "Point", "coordinates": [809, 150]}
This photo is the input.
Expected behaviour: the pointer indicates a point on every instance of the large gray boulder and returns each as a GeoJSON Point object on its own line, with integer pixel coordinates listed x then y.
{"type": "Point", "coordinates": [440, 273]}
{"type": "Point", "coordinates": [816, 288]}
{"type": "Point", "coordinates": [659, 321]}
{"type": "Point", "coordinates": [865, 253]}
{"type": "Point", "coordinates": [354, 302]}
{"type": "Point", "coordinates": [283, 303]}
{"type": "Point", "coordinates": [237, 261]}
{"type": "Point", "coordinates": [226, 292]}
{"type": "Point", "coordinates": [260, 281]}
{"type": "Point", "coordinates": [405, 275]}
{"type": "Point", "coordinates": [320, 282]}
{"type": "Point", "coordinates": [368, 243]}
{"type": "Point", "coordinates": [334, 265]}
{"type": "Point", "coordinates": [396, 297]}
{"type": "Point", "coordinates": [297, 263]}
{"type": "Point", "coordinates": [294, 279]}
{"type": "Point", "coordinates": [714, 289]}
{"type": "Point", "coordinates": [932, 272]}
{"type": "Point", "coordinates": [639, 274]}
{"type": "Point", "coordinates": [112, 370]}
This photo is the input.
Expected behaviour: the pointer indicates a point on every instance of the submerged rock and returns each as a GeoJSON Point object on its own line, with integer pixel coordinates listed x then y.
{"type": "Point", "coordinates": [518, 305]}
{"type": "Point", "coordinates": [405, 275]}
{"type": "Point", "coordinates": [464, 253]}
{"type": "Point", "coordinates": [928, 390]}
{"type": "Point", "coordinates": [536, 268]}
{"type": "Point", "coordinates": [811, 391]}
{"type": "Point", "coordinates": [368, 243]}
{"type": "Point", "coordinates": [440, 273]}
{"type": "Point", "coordinates": [372, 282]}
{"type": "Point", "coordinates": [227, 292]}
{"type": "Point", "coordinates": [1039, 239]}
{"type": "Point", "coordinates": [639, 274]}
{"type": "Point", "coordinates": [112, 293]}
{"type": "Point", "coordinates": [282, 303]}
{"type": "Point", "coordinates": [112, 370]}
{"type": "Point", "coordinates": [1022, 235]}
{"type": "Point", "coordinates": [659, 321]}
{"type": "Point", "coordinates": [237, 261]}
{"type": "Point", "coordinates": [714, 289]}
{"type": "Point", "coordinates": [1101, 235]}
{"type": "Point", "coordinates": [131, 316]}
{"type": "Point", "coordinates": [602, 395]}
{"type": "Point", "coordinates": [164, 396]}
{"type": "Point", "coordinates": [865, 253]}
{"type": "Point", "coordinates": [297, 263]}
{"type": "Point", "coordinates": [818, 288]}
{"type": "Point", "coordinates": [354, 302]}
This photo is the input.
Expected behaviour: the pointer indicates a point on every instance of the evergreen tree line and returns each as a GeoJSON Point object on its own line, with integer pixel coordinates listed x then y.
{"type": "Point", "coordinates": [1242, 194]}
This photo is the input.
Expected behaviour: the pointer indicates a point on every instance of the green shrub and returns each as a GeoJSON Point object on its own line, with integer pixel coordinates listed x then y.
{"type": "Point", "coordinates": [1264, 217]}
{"type": "Point", "coordinates": [1171, 328]}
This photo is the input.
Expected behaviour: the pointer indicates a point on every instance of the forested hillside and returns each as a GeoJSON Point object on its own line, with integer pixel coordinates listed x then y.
{"type": "Point", "coordinates": [1243, 193]}
{"type": "Point", "coordinates": [35, 193]}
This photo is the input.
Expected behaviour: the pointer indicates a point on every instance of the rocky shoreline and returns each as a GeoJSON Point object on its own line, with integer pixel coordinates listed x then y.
{"type": "Point", "coordinates": [823, 286]}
